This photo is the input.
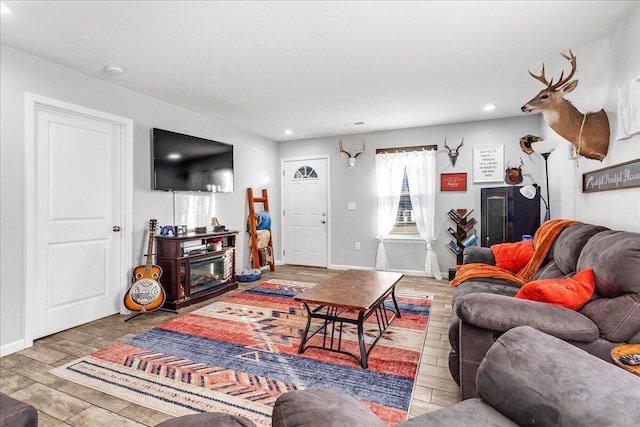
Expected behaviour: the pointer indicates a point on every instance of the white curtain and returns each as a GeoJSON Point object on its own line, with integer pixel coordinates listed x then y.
{"type": "Point", "coordinates": [389, 174]}
{"type": "Point", "coordinates": [421, 175]}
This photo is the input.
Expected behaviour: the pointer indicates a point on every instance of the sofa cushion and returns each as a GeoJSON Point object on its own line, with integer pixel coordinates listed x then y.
{"type": "Point", "coordinates": [561, 385]}
{"type": "Point", "coordinates": [569, 244]}
{"type": "Point", "coordinates": [513, 256]}
{"type": "Point", "coordinates": [208, 419]}
{"type": "Point", "coordinates": [474, 254]}
{"type": "Point", "coordinates": [15, 413]}
{"type": "Point", "coordinates": [548, 271]}
{"type": "Point", "coordinates": [485, 285]}
{"type": "Point", "coordinates": [615, 259]}
{"type": "Point", "coordinates": [500, 313]}
{"type": "Point", "coordinates": [618, 319]}
{"type": "Point", "coordinates": [469, 412]}
{"type": "Point", "coordinates": [317, 407]}
{"type": "Point", "coordinates": [571, 293]}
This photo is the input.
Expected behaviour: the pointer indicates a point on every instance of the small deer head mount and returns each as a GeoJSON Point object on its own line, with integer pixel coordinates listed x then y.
{"type": "Point", "coordinates": [588, 132]}
{"type": "Point", "coordinates": [352, 157]}
{"type": "Point", "coordinates": [513, 175]}
{"type": "Point", "coordinates": [453, 153]}
{"type": "Point", "coordinates": [526, 142]}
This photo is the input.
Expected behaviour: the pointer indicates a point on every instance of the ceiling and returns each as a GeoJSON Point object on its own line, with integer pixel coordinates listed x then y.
{"type": "Point", "coordinates": [316, 67]}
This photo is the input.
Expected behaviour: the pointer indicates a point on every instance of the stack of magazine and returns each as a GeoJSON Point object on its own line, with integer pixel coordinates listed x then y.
{"type": "Point", "coordinates": [456, 217]}
{"type": "Point", "coordinates": [455, 248]}
{"type": "Point", "coordinates": [470, 240]}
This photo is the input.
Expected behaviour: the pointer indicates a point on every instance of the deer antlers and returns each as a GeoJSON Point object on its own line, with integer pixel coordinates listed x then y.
{"type": "Point", "coordinates": [352, 157]}
{"type": "Point", "coordinates": [453, 150]}
{"type": "Point", "coordinates": [541, 78]}
{"type": "Point", "coordinates": [453, 153]}
{"type": "Point", "coordinates": [521, 163]}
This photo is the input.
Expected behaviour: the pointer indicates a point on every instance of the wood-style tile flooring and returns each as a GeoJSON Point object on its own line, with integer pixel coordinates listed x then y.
{"type": "Point", "coordinates": [25, 375]}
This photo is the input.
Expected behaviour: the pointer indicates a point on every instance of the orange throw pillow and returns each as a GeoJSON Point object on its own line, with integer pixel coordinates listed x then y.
{"type": "Point", "coordinates": [570, 293]}
{"type": "Point", "coordinates": [513, 256]}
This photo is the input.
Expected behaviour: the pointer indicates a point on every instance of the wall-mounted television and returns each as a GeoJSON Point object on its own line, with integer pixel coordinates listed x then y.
{"type": "Point", "coordinates": [188, 163]}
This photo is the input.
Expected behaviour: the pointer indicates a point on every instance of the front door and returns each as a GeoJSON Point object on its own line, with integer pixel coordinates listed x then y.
{"type": "Point", "coordinates": [305, 216]}
{"type": "Point", "coordinates": [76, 211]}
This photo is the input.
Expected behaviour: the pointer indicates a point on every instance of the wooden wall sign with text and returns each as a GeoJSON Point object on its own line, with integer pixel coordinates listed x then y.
{"type": "Point", "coordinates": [453, 182]}
{"type": "Point", "coordinates": [615, 177]}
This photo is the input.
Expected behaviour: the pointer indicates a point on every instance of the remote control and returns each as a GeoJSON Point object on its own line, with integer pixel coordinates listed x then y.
{"type": "Point", "coordinates": [631, 359]}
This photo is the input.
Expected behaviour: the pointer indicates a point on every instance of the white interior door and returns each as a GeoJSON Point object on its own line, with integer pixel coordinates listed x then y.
{"type": "Point", "coordinates": [75, 253]}
{"type": "Point", "coordinates": [305, 215]}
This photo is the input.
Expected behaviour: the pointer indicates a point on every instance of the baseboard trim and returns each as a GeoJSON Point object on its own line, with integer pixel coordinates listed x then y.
{"type": "Point", "coordinates": [357, 267]}
{"type": "Point", "coordinates": [12, 347]}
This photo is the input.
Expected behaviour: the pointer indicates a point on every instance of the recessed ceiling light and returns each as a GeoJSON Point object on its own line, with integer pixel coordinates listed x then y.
{"type": "Point", "coordinates": [489, 107]}
{"type": "Point", "coordinates": [113, 69]}
{"type": "Point", "coordinates": [288, 132]}
{"type": "Point", "coordinates": [4, 9]}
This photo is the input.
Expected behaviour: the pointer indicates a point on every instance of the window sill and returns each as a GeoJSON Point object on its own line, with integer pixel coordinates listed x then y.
{"type": "Point", "coordinates": [400, 238]}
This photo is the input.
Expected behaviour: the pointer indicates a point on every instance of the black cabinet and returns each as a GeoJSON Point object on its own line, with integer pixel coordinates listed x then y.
{"type": "Point", "coordinates": [507, 215]}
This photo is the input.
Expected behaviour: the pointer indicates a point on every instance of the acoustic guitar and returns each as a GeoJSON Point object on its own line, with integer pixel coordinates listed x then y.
{"type": "Point", "coordinates": [146, 294]}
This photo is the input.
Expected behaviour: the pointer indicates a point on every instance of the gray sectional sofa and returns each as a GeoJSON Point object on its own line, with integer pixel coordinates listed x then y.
{"type": "Point", "coordinates": [526, 378]}
{"type": "Point", "coordinates": [485, 308]}
{"type": "Point", "coordinates": [14, 413]}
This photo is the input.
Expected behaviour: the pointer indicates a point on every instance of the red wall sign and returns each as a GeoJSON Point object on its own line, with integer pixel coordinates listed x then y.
{"type": "Point", "coordinates": [453, 181]}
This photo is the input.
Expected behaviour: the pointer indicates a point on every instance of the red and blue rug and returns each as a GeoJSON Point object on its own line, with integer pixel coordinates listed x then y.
{"type": "Point", "coordinates": [237, 355]}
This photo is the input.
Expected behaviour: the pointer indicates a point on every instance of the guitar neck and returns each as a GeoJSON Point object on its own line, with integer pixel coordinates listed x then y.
{"type": "Point", "coordinates": [149, 262]}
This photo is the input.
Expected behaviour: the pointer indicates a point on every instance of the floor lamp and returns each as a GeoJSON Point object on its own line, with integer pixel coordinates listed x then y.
{"type": "Point", "coordinates": [529, 192]}
{"type": "Point", "coordinates": [545, 148]}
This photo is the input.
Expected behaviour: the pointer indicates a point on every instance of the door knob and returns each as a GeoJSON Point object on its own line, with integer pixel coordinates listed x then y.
{"type": "Point", "coordinates": [323, 222]}
{"type": "Point", "coordinates": [116, 228]}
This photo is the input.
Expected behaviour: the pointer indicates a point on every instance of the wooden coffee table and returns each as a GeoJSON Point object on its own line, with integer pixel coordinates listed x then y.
{"type": "Point", "coordinates": [351, 291]}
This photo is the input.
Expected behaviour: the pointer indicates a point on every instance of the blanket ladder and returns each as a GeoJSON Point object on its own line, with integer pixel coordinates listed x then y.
{"type": "Point", "coordinates": [264, 200]}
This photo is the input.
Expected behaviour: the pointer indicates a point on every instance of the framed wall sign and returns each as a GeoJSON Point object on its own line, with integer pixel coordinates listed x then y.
{"type": "Point", "coordinates": [488, 163]}
{"type": "Point", "coordinates": [453, 181]}
{"type": "Point", "coordinates": [615, 177]}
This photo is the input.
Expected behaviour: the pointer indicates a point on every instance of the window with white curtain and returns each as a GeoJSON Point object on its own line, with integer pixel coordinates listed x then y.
{"type": "Point", "coordinates": [405, 218]}
{"type": "Point", "coordinates": [406, 201]}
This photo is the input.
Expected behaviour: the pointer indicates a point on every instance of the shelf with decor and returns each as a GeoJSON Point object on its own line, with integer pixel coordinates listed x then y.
{"type": "Point", "coordinates": [463, 235]}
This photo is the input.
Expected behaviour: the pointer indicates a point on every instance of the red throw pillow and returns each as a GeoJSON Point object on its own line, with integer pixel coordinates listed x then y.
{"type": "Point", "coordinates": [513, 256]}
{"type": "Point", "coordinates": [570, 293]}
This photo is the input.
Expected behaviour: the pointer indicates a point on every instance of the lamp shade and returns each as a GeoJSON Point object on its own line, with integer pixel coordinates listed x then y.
{"type": "Point", "coordinates": [529, 191]}
{"type": "Point", "coordinates": [545, 146]}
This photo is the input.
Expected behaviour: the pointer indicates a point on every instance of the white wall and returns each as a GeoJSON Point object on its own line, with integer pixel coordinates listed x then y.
{"type": "Point", "coordinates": [358, 185]}
{"type": "Point", "coordinates": [603, 66]}
{"type": "Point", "coordinates": [255, 160]}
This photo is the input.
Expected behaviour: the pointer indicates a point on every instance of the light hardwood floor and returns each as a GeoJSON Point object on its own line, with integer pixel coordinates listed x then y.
{"type": "Point", "coordinates": [25, 375]}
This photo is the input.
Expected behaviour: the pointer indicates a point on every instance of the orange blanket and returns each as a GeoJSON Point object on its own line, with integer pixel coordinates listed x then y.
{"type": "Point", "coordinates": [542, 241]}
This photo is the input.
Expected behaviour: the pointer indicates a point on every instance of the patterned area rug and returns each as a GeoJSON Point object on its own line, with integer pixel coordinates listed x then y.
{"type": "Point", "coordinates": [239, 354]}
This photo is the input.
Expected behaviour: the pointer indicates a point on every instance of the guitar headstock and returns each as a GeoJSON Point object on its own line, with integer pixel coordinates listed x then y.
{"type": "Point", "coordinates": [153, 225]}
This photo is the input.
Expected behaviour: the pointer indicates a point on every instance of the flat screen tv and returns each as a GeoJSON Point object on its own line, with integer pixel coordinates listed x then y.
{"type": "Point", "coordinates": [188, 163]}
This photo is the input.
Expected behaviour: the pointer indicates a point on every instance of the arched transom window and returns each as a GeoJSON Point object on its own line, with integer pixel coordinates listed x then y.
{"type": "Point", "coordinates": [305, 172]}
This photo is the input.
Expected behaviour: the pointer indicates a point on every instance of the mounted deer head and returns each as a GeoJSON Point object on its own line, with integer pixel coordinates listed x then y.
{"type": "Point", "coordinates": [588, 132]}
{"type": "Point", "coordinates": [453, 153]}
{"type": "Point", "coordinates": [352, 157]}
{"type": "Point", "coordinates": [527, 141]}
{"type": "Point", "coordinates": [513, 176]}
